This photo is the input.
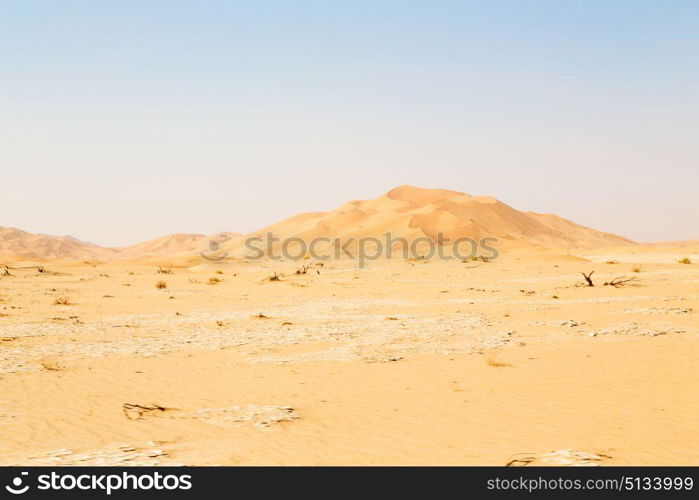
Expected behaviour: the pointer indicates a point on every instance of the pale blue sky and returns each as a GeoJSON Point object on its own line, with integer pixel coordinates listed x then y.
{"type": "Point", "coordinates": [125, 120]}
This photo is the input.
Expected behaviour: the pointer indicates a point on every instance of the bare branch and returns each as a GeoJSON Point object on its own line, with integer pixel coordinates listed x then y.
{"type": "Point", "coordinates": [620, 281]}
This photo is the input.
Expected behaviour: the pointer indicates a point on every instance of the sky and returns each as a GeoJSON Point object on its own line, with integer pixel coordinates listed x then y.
{"type": "Point", "coordinates": [121, 121]}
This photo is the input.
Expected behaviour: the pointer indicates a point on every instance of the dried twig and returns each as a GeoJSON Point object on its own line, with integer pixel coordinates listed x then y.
{"type": "Point", "coordinates": [136, 411]}
{"type": "Point", "coordinates": [620, 281]}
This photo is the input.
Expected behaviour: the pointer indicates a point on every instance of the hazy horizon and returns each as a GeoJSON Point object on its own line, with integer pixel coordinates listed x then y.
{"type": "Point", "coordinates": [124, 121]}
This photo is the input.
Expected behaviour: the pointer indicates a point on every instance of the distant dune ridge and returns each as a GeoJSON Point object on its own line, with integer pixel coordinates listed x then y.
{"type": "Point", "coordinates": [406, 211]}
{"type": "Point", "coordinates": [15, 243]}
{"type": "Point", "coordinates": [18, 244]}
{"type": "Point", "coordinates": [171, 243]}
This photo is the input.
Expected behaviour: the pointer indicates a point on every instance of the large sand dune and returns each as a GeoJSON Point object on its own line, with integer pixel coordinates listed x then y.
{"type": "Point", "coordinates": [411, 212]}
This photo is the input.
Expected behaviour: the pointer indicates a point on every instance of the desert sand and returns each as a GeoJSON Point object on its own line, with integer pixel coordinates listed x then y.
{"type": "Point", "coordinates": [514, 361]}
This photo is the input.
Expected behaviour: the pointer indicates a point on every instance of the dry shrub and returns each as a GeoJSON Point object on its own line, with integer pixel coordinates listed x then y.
{"type": "Point", "coordinates": [161, 285]}
{"type": "Point", "coordinates": [62, 301]}
{"type": "Point", "coordinates": [51, 366]}
{"type": "Point", "coordinates": [497, 364]}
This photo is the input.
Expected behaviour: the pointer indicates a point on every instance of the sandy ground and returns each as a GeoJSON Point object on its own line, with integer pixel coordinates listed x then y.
{"type": "Point", "coordinates": [436, 362]}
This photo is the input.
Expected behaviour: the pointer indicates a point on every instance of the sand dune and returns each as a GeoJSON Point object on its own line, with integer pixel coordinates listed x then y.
{"type": "Point", "coordinates": [412, 212]}
{"type": "Point", "coordinates": [171, 243]}
{"type": "Point", "coordinates": [18, 244]}
{"type": "Point", "coordinates": [416, 212]}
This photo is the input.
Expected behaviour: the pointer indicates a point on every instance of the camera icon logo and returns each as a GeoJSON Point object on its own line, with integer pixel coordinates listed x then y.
{"type": "Point", "coordinates": [16, 487]}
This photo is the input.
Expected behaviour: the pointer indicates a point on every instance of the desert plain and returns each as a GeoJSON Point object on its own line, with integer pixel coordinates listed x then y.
{"type": "Point", "coordinates": [165, 360]}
